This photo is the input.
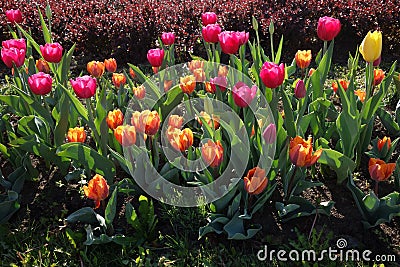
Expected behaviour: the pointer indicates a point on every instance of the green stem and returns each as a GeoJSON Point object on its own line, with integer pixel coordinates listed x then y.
{"type": "Point", "coordinates": [325, 47]}
{"type": "Point", "coordinates": [91, 121]}
{"type": "Point", "coordinates": [289, 193]}
{"type": "Point", "coordinates": [272, 47]}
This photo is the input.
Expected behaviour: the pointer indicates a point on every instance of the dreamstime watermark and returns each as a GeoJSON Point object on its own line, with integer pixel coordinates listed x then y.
{"type": "Point", "coordinates": [340, 253]}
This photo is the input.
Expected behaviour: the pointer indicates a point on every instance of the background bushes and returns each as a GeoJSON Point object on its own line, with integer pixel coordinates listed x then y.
{"type": "Point", "coordinates": [126, 29]}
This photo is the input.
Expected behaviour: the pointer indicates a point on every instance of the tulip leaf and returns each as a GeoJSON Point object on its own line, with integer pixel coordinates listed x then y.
{"type": "Point", "coordinates": [31, 40]}
{"type": "Point", "coordinates": [111, 208]}
{"type": "Point", "coordinates": [65, 65]}
{"type": "Point", "coordinates": [388, 121]}
{"type": "Point", "coordinates": [86, 215]}
{"type": "Point", "coordinates": [77, 105]}
{"type": "Point", "coordinates": [279, 52]}
{"type": "Point", "coordinates": [8, 205]}
{"type": "Point", "coordinates": [32, 124]}
{"type": "Point", "coordinates": [45, 29]}
{"type": "Point", "coordinates": [289, 118]}
{"type": "Point", "coordinates": [155, 91]}
{"type": "Point", "coordinates": [338, 162]}
{"type": "Point", "coordinates": [62, 121]}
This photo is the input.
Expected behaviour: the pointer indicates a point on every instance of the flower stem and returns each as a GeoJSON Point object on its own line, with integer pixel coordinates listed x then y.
{"type": "Point", "coordinates": [91, 122]}
{"type": "Point", "coordinates": [291, 183]}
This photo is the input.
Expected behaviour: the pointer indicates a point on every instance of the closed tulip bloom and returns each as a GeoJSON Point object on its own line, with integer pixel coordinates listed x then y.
{"type": "Point", "coordinates": [215, 119]}
{"type": "Point", "coordinates": [139, 92]}
{"type": "Point", "coordinates": [345, 84]}
{"type": "Point", "coordinates": [110, 64]}
{"type": "Point", "coordinates": [118, 79]}
{"type": "Point", "coordinates": [328, 28]}
{"type": "Point", "coordinates": [371, 46]}
{"type": "Point", "coordinates": [40, 83]}
{"type": "Point", "coordinates": [379, 75]}
{"type": "Point", "coordinates": [269, 134]}
{"type": "Point", "coordinates": [221, 82]}
{"type": "Point", "coordinates": [195, 64]}
{"type": "Point", "coordinates": [212, 153]}
{"type": "Point", "coordinates": [385, 141]}
{"type": "Point", "coordinates": [42, 66]}
{"type": "Point", "coordinates": [223, 71]}
{"type": "Point", "coordinates": [97, 189]}
{"type": "Point", "coordinates": [180, 140]}
{"type": "Point", "coordinates": [200, 75]}
{"type": "Point", "coordinates": [256, 181]}
{"type": "Point", "coordinates": [20, 44]}
{"type": "Point", "coordinates": [168, 38]}
{"type": "Point", "coordinates": [303, 58]}
{"type": "Point", "coordinates": [243, 37]}
{"type": "Point", "coordinates": [175, 121]}
{"type": "Point", "coordinates": [114, 119]}
{"type": "Point", "coordinates": [14, 16]}
{"type": "Point", "coordinates": [243, 94]}
{"type": "Point", "coordinates": [125, 135]}
{"type": "Point", "coordinates": [84, 87]}
{"type": "Point", "coordinates": [210, 33]}
{"type": "Point", "coordinates": [95, 68]}
{"type": "Point", "coordinates": [76, 134]}
{"type": "Point", "coordinates": [151, 121]}
{"type": "Point", "coordinates": [155, 57]}
{"type": "Point", "coordinates": [272, 74]}
{"type": "Point", "coordinates": [132, 73]}
{"type": "Point", "coordinates": [137, 122]}
{"type": "Point", "coordinates": [301, 152]}
{"type": "Point", "coordinates": [380, 170]}
{"type": "Point", "coordinates": [12, 56]}
{"type": "Point", "coordinates": [360, 94]}
{"type": "Point", "coordinates": [229, 42]}
{"type": "Point", "coordinates": [208, 18]}
{"type": "Point", "coordinates": [52, 52]}
{"type": "Point", "coordinates": [188, 84]}
{"type": "Point", "coordinates": [300, 89]}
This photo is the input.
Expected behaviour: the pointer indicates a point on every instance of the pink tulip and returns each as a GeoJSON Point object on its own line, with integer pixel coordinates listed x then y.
{"type": "Point", "coordinates": [243, 37]}
{"type": "Point", "coordinates": [14, 15]}
{"type": "Point", "coordinates": [84, 87]}
{"type": "Point", "coordinates": [328, 28]}
{"type": "Point", "coordinates": [219, 81]}
{"type": "Point", "coordinates": [40, 83]}
{"type": "Point", "coordinates": [243, 94]}
{"type": "Point", "coordinates": [168, 38]}
{"type": "Point", "coordinates": [16, 43]}
{"type": "Point", "coordinates": [269, 134]}
{"type": "Point", "coordinates": [210, 33]}
{"type": "Point", "coordinates": [13, 51]}
{"type": "Point", "coordinates": [208, 18]}
{"type": "Point", "coordinates": [155, 57]}
{"type": "Point", "coordinates": [272, 75]}
{"type": "Point", "coordinates": [300, 89]}
{"type": "Point", "coordinates": [229, 42]}
{"type": "Point", "coordinates": [52, 52]}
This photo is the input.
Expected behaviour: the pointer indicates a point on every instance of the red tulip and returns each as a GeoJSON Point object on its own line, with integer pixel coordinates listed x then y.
{"type": "Point", "coordinates": [379, 75]}
{"type": "Point", "coordinates": [208, 18]}
{"type": "Point", "coordinates": [110, 64]}
{"type": "Point", "coordinates": [272, 74]}
{"type": "Point", "coordinates": [210, 33]}
{"type": "Point", "coordinates": [52, 52]}
{"type": "Point", "coordinates": [229, 42]}
{"type": "Point", "coordinates": [40, 83]}
{"type": "Point", "coordinates": [14, 43]}
{"type": "Point", "coordinates": [380, 170]}
{"type": "Point", "coordinates": [13, 51]}
{"type": "Point", "coordinates": [243, 94]}
{"type": "Point", "coordinates": [155, 57]}
{"type": "Point", "coordinates": [328, 28]}
{"type": "Point", "coordinates": [84, 87]}
{"type": "Point", "coordinates": [300, 90]}
{"type": "Point", "coordinates": [14, 15]}
{"type": "Point", "coordinates": [219, 81]}
{"type": "Point", "coordinates": [243, 37]}
{"type": "Point", "coordinates": [168, 38]}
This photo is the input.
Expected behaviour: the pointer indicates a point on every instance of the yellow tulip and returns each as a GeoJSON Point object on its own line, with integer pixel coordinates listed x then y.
{"type": "Point", "coordinates": [371, 46]}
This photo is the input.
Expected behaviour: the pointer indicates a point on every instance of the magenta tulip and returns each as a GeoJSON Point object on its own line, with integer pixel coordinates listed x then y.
{"type": "Point", "coordinates": [52, 52]}
{"type": "Point", "coordinates": [84, 87]}
{"type": "Point", "coordinates": [155, 57]}
{"type": "Point", "coordinates": [168, 38]}
{"type": "Point", "coordinates": [328, 28]}
{"type": "Point", "coordinates": [269, 134]}
{"type": "Point", "coordinates": [243, 94]}
{"type": "Point", "coordinates": [40, 83]}
{"type": "Point", "coordinates": [14, 15]}
{"type": "Point", "coordinates": [229, 42]}
{"type": "Point", "coordinates": [272, 74]}
{"type": "Point", "coordinates": [208, 18]}
{"type": "Point", "coordinates": [219, 81]}
{"type": "Point", "coordinates": [210, 33]}
{"type": "Point", "coordinates": [13, 51]}
{"type": "Point", "coordinates": [300, 89]}
{"type": "Point", "coordinates": [16, 43]}
{"type": "Point", "coordinates": [243, 37]}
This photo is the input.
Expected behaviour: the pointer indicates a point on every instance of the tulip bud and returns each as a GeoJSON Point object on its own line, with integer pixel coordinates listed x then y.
{"type": "Point", "coordinates": [243, 95]}
{"type": "Point", "coordinates": [95, 68]}
{"type": "Point", "coordinates": [272, 74]}
{"type": "Point", "coordinates": [188, 84]}
{"type": "Point", "coordinates": [168, 38]}
{"type": "Point", "coordinates": [208, 18]}
{"type": "Point", "coordinates": [269, 134]}
{"type": "Point", "coordinates": [118, 79]}
{"type": "Point", "coordinates": [328, 28]}
{"type": "Point", "coordinates": [379, 75]}
{"type": "Point", "coordinates": [271, 27]}
{"type": "Point", "coordinates": [229, 42]}
{"type": "Point", "coordinates": [14, 16]}
{"type": "Point", "coordinates": [42, 66]}
{"type": "Point", "coordinates": [371, 46]}
{"type": "Point", "coordinates": [385, 141]}
{"type": "Point", "coordinates": [300, 90]}
{"type": "Point", "coordinates": [303, 58]}
{"type": "Point", "coordinates": [114, 119]}
{"type": "Point", "coordinates": [155, 57]}
{"type": "Point", "coordinates": [52, 52]}
{"type": "Point", "coordinates": [256, 181]}
{"type": "Point", "coordinates": [210, 33]}
{"type": "Point", "coordinates": [97, 189]}
{"type": "Point", "coordinates": [360, 94]}
{"type": "Point", "coordinates": [40, 83]}
{"type": "Point", "coordinates": [110, 64]}
{"type": "Point", "coordinates": [311, 71]}
{"type": "Point", "coordinates": [84, 87]}
{"type": "Point", "coordinates": [132, 73]}
{"type": "Point", "coordinates": [76, 134]}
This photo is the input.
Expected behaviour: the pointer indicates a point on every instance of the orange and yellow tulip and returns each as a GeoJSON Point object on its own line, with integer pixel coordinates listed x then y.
{"type": "Point", "coordinates": [180, 140]}
{"type": "Point", "coordinates": [188, 84]}
{"type": "Point", "coordinates": [97, 189]}
{"type": "Point", "coordinates": [114, 119]}
{"type": "Point", "coordinates": [379, 75]}
{"type": "Point", "coordinates": [76, 134]}
{"type": "Point", "coordinates": [200, 75]}
{"type": "Point", "coordinates": [195, 64]}
{"type": "Point", "coordinates": [175, 121]}
{"type": "Point", "coordinates": [118, 79]}
{"type": "Point", "coordinates": [151, 121]}
{"type": "Point", "coordinates": [132, 73]}
{"type": "Point", "coordinates": [303, 58]}
{"type": "Point", "coordinates": [212, 153]}
{"type": "Point", "coordinates": [380, 170]}
{"type": "Point", "coordinates": [110, 64]}
{"type": "Point", "coordinates": [301, 152]}
{"type": "Point", "coordinates": [345, 84]}
{"type": "Point", "coordinates": [223, 71]}
{"type": "Point", "coordinates": [256, 181]}
{"type": "Point", "coordinates": [125, 135]}
{"type": "Point", "coordinates": [42, 66]}
{"type": "Point", "coordinates": [95, 68]}
{"type": "Point", "coordinates": [361, 94]}
{"type": "Point", "coordinates": [139, 92]}
{"type": "Point", "coordinates": [385, 141]}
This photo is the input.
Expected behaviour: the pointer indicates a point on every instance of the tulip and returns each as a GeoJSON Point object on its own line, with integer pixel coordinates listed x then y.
{"type": "Point", "coordinates": [301, 152]}
{"type": "Point", "coordinates": [97, 189]}
{"type": "Point", "coordinates": [311, 71]}
{"type": "Point", "coordinates": [167, 85]}
{"type": "Point", "coordinates": [139, 92]}
{"type": "Point", "coordinates": [200, 75]}
{"type": "Point", "coordinates": [110, 64]}
{"type": "Point", "coordinates": [212, 153]}
{"type": "Point", "coordinates": [14, 15]}
{"type": "Point", "coordinates": [155, 57]}
{"type": "Point", "coordinates": [269, 134]}
{"type": "Point", "coordinates": [328, 28]}
{"type": "Point", "coordinates": [195, 64]}
{"type": "Point", "coordinates": [114, 119]}
{"type": "Point", "coordinates": [76, 134]}
{"type": "Point", "coordinates": [118, 79]}
{"type": "Point", "coordinates": [137, 122]}
{"type": "Point", "coordinates": [300, 89]}
{"type": "Point", "coordinates": [219, 81]}
{"type": "Point", "coordinates": [223, 71]}
{"type": "Point", "coordinates": [377, 62]}
{"type": "Point", "coordinates": [151, 121]}
{"type": "Point", "coordinates": [379, 170]}
{"type": "Point", "coordinates": [175, 121]}
{"type": "Point", "coordinates": [208, 18]}
{"type": "Point", "coordinates": [210, 33]}
{"type": "Point", "coordinates": [188, 84]}
{"type": "Point", "coordinates": [180, 140]}
{"type": "Point", "coordinates": [272, 74]}
{"type": "Point", "coordinates": [345, 84]}
{"type": "Point", "coordinates": [256, 181]}
{"type": "Point", "coordinates": [42, 66]}
{"type": "Point", "coordinates": [95, 68]}
{"type": "Point", "coordinates": [243, 94]}
{"type": "Point", "coordinates": [229, 42]}
{"type": "Point", "coordinates": [12, 56]}
{"type": "Point", "coordinates": [125, 135]}
{"type": "Point", "coordinates": [243, 37]}
{"type": "Point", "coordinates": [379, 75]}
{"type": "Point", "coordinates": [168, 38]}
{"type": "Point", "coordinates": [385, 141]}
{"type": "Point", "coordinates": [84, 87]}
{"type": "Point", "coordinates": [303, 58]}
{"type": "Point", "coordinates": [40, 83]}
{"type": "Point", "coordinates": [52, 52]}
{"type": "Point", "coordinates": [132, 73]}
{"type": "Point", "coordinates": [214, 123]}
{"type": "Point", "coordinates": [361, 95]}
{"type": "Point", "coordinates": [20, 44]}
{"type": "Point", "coordinates": [371, 46]}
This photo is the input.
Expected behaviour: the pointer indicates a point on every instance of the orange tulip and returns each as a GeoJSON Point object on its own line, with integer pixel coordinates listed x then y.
{"type": "Point", "coordinates": [180, 140]}
{"type": "Point", "coordinates": [382, 142]}
{"type": "Point", "coordinates": [151, 121]}
{"type": "Point", "coordinates": [114, 119]}
{"type": "Point", "coordinates": [200, 75]}
{"type": "Point", "coordinates": [311, 71]}
{"type": "Point", "coordinates": [118, 79]}
{"type": "Point", "coordinates": [188, 84]}
{"type": "Point", "coordinates": [175, 121]}
{"type": "Point", "coordinates": [95, 68]}
{"type": "Point", "coordinates": [76, 134]}
{"type": "Point", "coordinates": [379, 170]}
{"type": "Point", "coordinates": [361, 94]}
{"type": "Point", "coordinates": [137, 122]}
{"type": "Point", "coordinates": [303, 58]}
{"type": "Point", "coordinates": [132, 73]}
{"type": "Point", "coordinates": [97, 189]}
{"type": "Point", "coordinates": [301, 152]}
{"type": "Point", "coordinates": [195, 64]}
{"type": "Point", "coordinates": [207, 118]}
{"type": "Point", "coordinates": [42, 66]}
{"type": "Point", "coordinates": [111, 64]}
{"type": "Point", "coordinates": [212, 153]}
{"type": "Point", "coordinates": [343, 83]}
{"type": "Point", "coordinates": [256, 181]}
{"type": "Point", "coordinates": [379, 75]}
{"type": "Point", "coordinates": [167, 85]}
{"type": "Point", "coordinates": [125, 135]}
{"type": "Point", "coordinates": [139, 92]}
{"type": "Point", "coordinates": [223, 71]}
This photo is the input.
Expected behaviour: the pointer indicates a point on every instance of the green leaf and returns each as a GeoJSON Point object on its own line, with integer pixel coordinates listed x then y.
{"type": "Point", "coordinates": [32, 124]}
{"type": "Point", "coordinates": [111, 208]}
{"type": "Point", "coordinates": [8, 205]}
{"type": "Point", "coordinates": [62, 121]}
{"type": "Point", "coordinates": [86, 215]}
{"type": "Point", "coordinates": [65, 65]}
{"type": "Point", "coordinates": [338, 162]}
{"type": "Point", "coordinates": [45, 29]}
{"type": "Point", "coordinates": [77, 104]}
{"type": "Point", "coordinates": [279, 52]}
{"type": "Point", "coordinates": [289, 118]}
